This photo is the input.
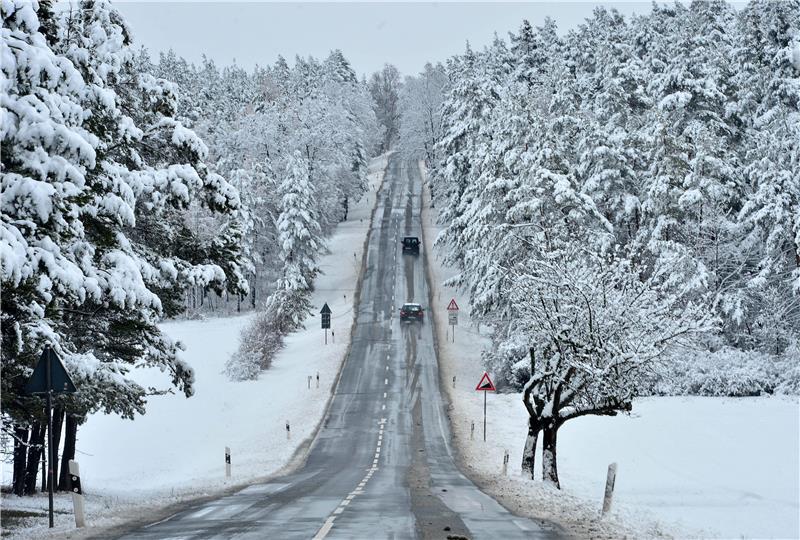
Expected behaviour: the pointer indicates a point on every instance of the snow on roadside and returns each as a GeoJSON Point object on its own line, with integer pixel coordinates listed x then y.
{"type": "Point", "coordinates": [176, 451]}
{"type": "Point", "coordinates": [686, 465]}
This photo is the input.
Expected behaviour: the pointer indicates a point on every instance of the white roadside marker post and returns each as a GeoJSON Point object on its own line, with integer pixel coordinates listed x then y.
{"type": "Point", "coordinates": [505, 463]}
{"type": "Point", "coordinates": [610, 480]}
{"type": "Point", "coordinates": [454, 381]}
{"type": "Point", "coordinates": [472, 431]}
{"type": "Point", "coordinates": [77, 493]}
{"type": "Point", "coordinates": [309, 382]}
{"type": "Point", "coordinates": [317, 379]}
{"type": "Point", "coordinates": [227, 462]}
{"type": "Point", "coordinates": [288, 431]}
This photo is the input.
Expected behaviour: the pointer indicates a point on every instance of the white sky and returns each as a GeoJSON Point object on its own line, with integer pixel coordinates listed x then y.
{"type": "Point", "coordinates": [369, 34]}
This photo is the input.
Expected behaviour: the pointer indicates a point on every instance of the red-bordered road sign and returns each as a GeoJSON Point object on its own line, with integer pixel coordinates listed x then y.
{"type": "Point", "coordinates": [452, 306]}
{"type": "Point", "coordinates": [486, 384]}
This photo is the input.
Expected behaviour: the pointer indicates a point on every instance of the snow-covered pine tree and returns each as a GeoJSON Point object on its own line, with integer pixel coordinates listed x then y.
{"type": "Point", "coordinates": [298, 229]}
{"type": "Point", "coordinates": [288, 305]}
{"type": "Point", "coordinates": [88, 205]}
{"type": "Point", "coordinates": [45, 158]}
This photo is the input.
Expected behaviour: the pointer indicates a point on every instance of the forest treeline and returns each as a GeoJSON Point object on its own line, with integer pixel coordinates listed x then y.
{"type": "Point", "coordinates": [136, 189]}
{"type": "Point", "coordinates": [622, 202]}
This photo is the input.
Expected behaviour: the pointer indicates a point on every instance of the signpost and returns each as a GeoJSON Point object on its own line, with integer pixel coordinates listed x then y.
{"type": "Point", "coordinates": [326, 320]}
{"type": "Point", "coordinates": [452, 316]}
{"type": "Point", "coordinates": [485, 385]}
{"type": "Point", "coordinates": [49, 377]}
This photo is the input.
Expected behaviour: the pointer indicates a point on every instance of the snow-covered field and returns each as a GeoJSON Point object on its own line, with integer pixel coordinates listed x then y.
{"type": "Point", "coordinates": [176, 451]}
{"type": "Point", "coordinates": [688, 466]}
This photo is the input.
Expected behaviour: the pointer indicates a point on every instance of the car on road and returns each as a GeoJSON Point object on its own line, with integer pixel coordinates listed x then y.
{"type": "Point", "coordinates": [411, 245]}
{"type": "Point", "coordinates": [412, 312]}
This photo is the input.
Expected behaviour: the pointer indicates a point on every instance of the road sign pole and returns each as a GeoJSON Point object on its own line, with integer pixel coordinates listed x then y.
{"type": "Point", "coordinates": [484, 417]}
{"type": "Point", "coordinates": [49, 374]}
{"type": "Point", "coordinates": [326, 336]}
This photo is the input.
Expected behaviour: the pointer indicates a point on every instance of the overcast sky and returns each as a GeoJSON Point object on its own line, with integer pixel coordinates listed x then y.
{"type": "Point", "coordinates": [370, 34]}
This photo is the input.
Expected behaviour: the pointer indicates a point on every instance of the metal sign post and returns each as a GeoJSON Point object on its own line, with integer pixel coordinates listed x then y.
{"type": "Point", "coordinates": [485, 385]}
{"type": "Point", "coordinates": [326, 320]}
{"type": "Point", "coordinates": [49, 377]}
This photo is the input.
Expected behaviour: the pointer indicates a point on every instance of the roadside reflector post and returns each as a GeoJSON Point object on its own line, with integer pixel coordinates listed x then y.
{"type": "Point", "coordinates": [611, 478]}
{"type": "Point", "coordinates": [288, 431]}
{"type": "Point", "coordinates": [309, 382]}
{"type": "Point", "coordinates": [317, 379]}
{"type": "Point", "coordinates": [333, 336]}
{"type": "Point", "coordinates": [505, 463]}
{"type": "Point", "coordinates": [77, 493]}
{"type": "Point", "coordinates": [472, 430]}
{"type": "Point", "coordinates": [454, 381]}
{"type": "Point", "coordinates": [227, 462]}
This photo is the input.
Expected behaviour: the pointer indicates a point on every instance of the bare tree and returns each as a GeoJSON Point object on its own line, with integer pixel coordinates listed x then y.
{"type": "Point", "coordinates": [384, 85]}
{"type": "Point", "coordinates": [597, 325]}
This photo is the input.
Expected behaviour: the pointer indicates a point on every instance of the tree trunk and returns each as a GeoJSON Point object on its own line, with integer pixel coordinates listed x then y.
{"type": "Point", "coordinates": [253, 292]}
{"type": "Point", "coordinates": [529, 454]}
{"type": "Point", "coordinates": [20, 453]}
{"type": "Point", "coordinates": [549, 456]}
{"type": "Point", "coordinates": [58, 422]}
{"type": "Point", "coordinates": [70, 436]}
{"type": "Point", "coordinates": [34, 455]}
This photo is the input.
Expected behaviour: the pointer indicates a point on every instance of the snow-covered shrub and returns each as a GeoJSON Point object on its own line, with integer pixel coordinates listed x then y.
{"type": "Point", "coordinates": [261, 340]}
{"type": "Point", "coordinates": [258, 343]}
{"type": "Point", "coordinates": [510, 363]}
{"type": "Point", "coordinates": [789, 373]}
{"type": "Point", "coordinates": [730, 372]}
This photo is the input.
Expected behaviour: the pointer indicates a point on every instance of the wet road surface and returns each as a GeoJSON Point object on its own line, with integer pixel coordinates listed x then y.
{"type": "Point", "coordinates": [382, 464]}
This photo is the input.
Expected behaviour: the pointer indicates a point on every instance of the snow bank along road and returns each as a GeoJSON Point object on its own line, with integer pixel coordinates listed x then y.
{"type": "Point", "coordinates": [382, 464]}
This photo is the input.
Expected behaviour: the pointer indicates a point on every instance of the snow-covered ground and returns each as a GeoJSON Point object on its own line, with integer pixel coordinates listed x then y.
{"type": "Point", "coordinates": [176, 451]}
{"type": "Point", "coordinates": [688, 466]}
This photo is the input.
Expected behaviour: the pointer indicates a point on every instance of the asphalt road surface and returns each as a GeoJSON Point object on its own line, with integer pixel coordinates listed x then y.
{"type": "Point", "coordinates": [382, 464]}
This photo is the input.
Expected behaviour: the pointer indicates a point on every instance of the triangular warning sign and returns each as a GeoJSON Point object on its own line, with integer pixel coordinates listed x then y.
{"type": "Point", "coordinates": [486, 384]}
{"type": "Point", "coordinates": [59, 382]}
{"type": "Point", "coordinates": [452, 306]}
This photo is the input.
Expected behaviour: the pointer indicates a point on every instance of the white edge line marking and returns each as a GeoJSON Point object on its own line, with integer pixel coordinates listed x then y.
{"type": "Point", "coordinates": [323, 532]}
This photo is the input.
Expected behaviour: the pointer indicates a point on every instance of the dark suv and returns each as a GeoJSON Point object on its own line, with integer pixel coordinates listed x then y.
{"type": "Point", "coordinates": [411, 245]}
{"type": "Point", "coordinates": [411, 312]}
